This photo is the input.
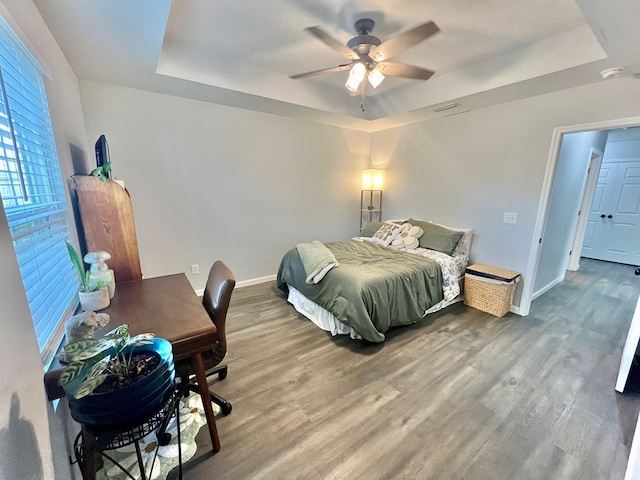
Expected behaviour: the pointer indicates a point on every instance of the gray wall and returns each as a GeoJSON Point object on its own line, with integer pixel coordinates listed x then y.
{"type": "Point", "coordinates": [623, 146]}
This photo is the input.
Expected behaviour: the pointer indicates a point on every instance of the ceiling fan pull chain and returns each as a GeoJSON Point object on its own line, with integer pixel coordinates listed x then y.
{"type": "Point", "coordinates": [362, 93]}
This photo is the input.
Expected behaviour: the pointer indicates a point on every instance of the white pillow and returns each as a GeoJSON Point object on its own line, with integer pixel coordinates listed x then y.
{"type": "Point", "coordinates": [408, 237]}
{"type": "Point", "coordinates": [386, 233]}
{"type": "Point", "coordinates": [464, 244]}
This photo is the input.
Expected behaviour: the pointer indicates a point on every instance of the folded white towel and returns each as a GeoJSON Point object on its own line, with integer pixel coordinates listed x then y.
{"type": "Point", "coordinates": [317, 260]}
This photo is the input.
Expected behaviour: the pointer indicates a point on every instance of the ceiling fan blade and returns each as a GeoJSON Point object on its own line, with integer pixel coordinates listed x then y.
{"type": "Point", "coordinates": [327, 39]}
{"type": "Point", "coordinates": [393, 69]}
{"type": "Point", "coordinates": [339, 68]}
{"type": "Point", "coordinates": [403, 41]}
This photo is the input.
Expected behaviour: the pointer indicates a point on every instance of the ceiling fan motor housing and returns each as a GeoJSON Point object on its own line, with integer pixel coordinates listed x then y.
{"type": "Point", "coordinates": [364, 41]}
{"type": "Point", "coordinates": [364, 26]}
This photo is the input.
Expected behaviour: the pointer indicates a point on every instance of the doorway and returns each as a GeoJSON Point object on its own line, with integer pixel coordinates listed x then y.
{"type": "Point", "coordinates": [539, 285]}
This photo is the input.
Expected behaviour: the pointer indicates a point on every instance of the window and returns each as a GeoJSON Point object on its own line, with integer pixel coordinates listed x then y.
{"type": "Point", "coordinates": [33, 192]}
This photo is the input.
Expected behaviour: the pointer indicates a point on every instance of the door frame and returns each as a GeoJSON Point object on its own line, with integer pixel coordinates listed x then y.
{"type": "Point", "coordinates": [543, 204]}
{"type": "Point", "coordinates": [595, 161]}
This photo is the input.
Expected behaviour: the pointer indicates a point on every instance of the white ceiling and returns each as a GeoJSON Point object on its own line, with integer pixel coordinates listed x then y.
{"type": "Point", "coordinates": [241, 53]}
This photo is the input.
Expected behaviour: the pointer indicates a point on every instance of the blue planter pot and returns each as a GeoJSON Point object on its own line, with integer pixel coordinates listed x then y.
{"type": "Point", "coordinates": [132, 403]}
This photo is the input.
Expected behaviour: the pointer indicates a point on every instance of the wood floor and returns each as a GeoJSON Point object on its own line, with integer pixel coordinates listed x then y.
{"type": "Point", "coordinates": [462, 395]}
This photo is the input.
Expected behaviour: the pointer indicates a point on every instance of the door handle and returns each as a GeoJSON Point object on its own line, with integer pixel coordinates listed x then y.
{"type": "Point", "coordinates": [638, 271]}
{"type": "Point", "coordinates": [609, 216]}
{"type": "Point", "coordinates": [602, 216]}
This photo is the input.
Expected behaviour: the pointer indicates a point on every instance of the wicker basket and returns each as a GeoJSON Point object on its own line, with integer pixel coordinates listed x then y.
{"type": "Point", "coordinates": [489, 289]}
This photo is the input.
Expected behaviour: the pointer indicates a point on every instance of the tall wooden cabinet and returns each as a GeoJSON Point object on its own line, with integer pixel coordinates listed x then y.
{"type": "Point", "coordinates": [107, 222]}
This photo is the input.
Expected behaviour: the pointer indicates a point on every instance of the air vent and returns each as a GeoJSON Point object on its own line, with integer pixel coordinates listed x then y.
{"type": "Point", "coordinates": [446, 106]}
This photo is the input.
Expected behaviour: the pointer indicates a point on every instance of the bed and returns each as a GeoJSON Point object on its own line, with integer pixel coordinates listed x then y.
{"type": "Point", "coordinates": [375, 281]}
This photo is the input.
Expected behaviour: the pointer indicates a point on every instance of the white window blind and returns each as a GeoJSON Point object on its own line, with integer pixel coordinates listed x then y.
{"type": "Point", "coordinates": [33, 194]}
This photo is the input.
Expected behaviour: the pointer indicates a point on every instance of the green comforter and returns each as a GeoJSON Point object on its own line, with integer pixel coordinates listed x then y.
{"type": "Point", "coordinates": [374, 287]}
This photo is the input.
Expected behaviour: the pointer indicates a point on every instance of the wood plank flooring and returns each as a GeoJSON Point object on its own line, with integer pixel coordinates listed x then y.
{"type": "Point", "coordinates": [462, 395]}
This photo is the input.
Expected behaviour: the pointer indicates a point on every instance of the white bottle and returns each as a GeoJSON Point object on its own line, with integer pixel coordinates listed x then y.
{"type": "Point", "coordinates": [100, 271]}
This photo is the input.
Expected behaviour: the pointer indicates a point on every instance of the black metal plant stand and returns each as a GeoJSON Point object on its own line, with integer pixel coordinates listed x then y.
{"type": "Point", "coordinates": [91, 441]}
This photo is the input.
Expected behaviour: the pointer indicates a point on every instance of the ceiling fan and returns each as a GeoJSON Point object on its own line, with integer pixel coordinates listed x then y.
{"type": "Point", "coordinates": [368, 54]}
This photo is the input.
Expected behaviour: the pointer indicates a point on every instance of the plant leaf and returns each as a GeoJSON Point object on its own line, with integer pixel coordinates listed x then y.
{"type": "Point", "coordinates": [142, 339]}
{"type": "Point", "coordinates": [75, 260]}
{"type": "Point", "coordinates": [89, 386]}
{"type": "Point", "coordinates": [87, 348]}
{"type": "Point", "coordinates": [99, 367]}
{"type": "Point", "coordinates": [119, 331]}
{"type": "Point", "coordinates": [71, 371]}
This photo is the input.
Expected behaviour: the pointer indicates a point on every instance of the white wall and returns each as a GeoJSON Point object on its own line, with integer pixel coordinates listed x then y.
{"type": "Point", "coordinates": [564, 204]}
{"type": "Point", "coordinates": [467, 170]}
{"type": "Point", "coordinates": [214, 182]}
{"type": "Point", "coordinates": [32, 440]}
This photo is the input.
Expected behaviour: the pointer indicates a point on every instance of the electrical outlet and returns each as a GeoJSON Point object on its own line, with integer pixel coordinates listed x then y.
{"type": "Point", "coordinates": [195, 269]}
{"type": "Point", "coordinates": [510, 217]}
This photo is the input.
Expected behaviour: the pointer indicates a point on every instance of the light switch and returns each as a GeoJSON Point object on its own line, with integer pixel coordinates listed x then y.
{"type": "Point", "coordinates": [510, 217]}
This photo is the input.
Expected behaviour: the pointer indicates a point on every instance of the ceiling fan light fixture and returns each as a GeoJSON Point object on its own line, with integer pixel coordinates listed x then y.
{"type": "Point", "coordinates": [356, 75]}
{"type": "Point", "coordinates": [375, 77]}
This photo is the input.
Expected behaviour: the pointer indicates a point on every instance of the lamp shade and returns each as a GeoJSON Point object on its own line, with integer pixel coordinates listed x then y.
{"type": "Point", "coordinates": [375, 78]}
{"type": "Point", "coordinates": [356, 75]}
{"type": "Point", "coordinates": [372, 179]}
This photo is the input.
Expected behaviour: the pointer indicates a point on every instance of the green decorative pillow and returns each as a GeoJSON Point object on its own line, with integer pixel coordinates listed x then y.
{"type": "Point", "coordinates": [370, 229]}
{"type": "Point", "coordinates": [438, 238]}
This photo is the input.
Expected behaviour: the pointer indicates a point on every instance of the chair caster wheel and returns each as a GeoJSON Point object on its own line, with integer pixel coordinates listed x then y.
{"type": "Point", "coordinates": [222, 374]}
{"type": "Point", "coordinates": [164, 439]}
{"type": "Point", "coordinates": [226, 408]}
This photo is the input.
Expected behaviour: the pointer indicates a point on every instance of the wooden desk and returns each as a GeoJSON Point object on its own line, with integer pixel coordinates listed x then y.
{"type": "Point", "coordinates": [168, 307]}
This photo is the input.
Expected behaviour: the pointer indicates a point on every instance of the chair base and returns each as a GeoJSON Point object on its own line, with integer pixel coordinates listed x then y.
{"type": "Point", "coordinates": [224, 405]}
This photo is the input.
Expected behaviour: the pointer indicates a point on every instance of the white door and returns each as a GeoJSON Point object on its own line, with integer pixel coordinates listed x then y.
{"type": "Point", "coordinates": [613, 229]}
{"type": "Point", "coordinates": [593, 174]}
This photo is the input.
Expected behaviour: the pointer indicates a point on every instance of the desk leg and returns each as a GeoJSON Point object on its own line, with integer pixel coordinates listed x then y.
{"type": "Point", "coordinates": [206, 400]}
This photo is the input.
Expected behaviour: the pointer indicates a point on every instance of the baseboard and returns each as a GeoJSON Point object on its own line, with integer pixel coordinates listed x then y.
{"type": "Point", "coordinates": [256, 281]}
{"type": "Point", "coordinates": [546, 288]}
{"type": "Point", "coordinates": [247, 283]}
{"type": "Point", "coordinates": [515, 310]}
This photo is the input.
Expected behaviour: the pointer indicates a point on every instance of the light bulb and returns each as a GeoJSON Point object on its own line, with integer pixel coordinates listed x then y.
{"type": "Point", "coordinates": [356, 75]}
{"type": "Point", "coordinates": [375, 78]}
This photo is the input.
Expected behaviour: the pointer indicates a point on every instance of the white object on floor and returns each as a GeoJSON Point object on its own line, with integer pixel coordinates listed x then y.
{"type": "Point", "coordinates": [629, 350]}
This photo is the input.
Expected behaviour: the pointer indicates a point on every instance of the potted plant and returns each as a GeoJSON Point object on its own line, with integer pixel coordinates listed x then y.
{"type": "Point", "coordinates": [93, 295]}
{"type": "Point", "coordinates": [117, 380]}
{"type": "Point", "coordinates": [102, 172]}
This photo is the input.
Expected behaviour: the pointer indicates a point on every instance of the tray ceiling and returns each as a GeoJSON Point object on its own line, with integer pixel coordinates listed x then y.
{"type": "Point", "coordinates": [242, 53]}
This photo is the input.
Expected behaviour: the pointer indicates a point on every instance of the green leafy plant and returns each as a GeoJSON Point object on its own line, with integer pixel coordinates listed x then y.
{"type": "Point", "coordinates": [85, 280]}
{"type": "Point", "coordinates": [93, 360]}
{"type": "Point", "coordinates": [86, 284]}
{"type": "Point", "coordinates": [102, 172]}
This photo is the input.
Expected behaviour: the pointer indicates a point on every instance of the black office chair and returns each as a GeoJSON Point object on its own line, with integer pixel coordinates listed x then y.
{"type": "Point", "coordinates": [216, 299]}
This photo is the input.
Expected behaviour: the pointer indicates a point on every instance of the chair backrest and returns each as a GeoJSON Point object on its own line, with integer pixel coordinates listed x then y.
{"type": "Point", "coordinates": [216, 299]}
